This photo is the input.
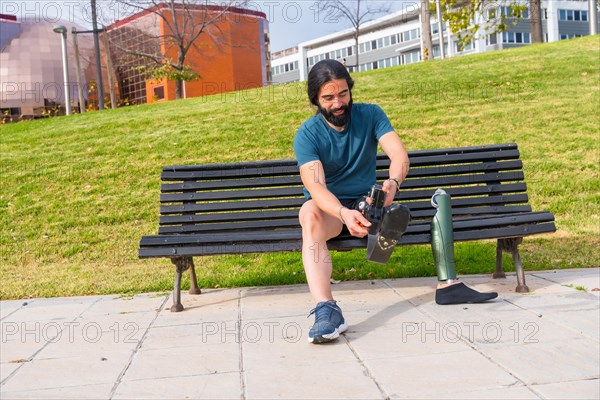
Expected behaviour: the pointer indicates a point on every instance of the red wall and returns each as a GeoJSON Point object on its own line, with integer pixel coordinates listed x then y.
{"type": "Point", "coordinates": [232, 63]}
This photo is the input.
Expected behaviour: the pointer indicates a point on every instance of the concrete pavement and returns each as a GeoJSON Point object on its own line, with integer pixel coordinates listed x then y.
{"type": "Point", "coordinates": [251, 343]}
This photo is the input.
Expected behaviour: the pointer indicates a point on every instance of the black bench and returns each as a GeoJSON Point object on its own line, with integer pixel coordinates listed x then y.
{"type": "Point", "coordinates": [252, 207]}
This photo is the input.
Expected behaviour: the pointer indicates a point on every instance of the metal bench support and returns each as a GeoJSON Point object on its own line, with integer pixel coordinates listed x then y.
{"type": "Point", "coordinates": [183, 264]}
{"type": "Point", "coordinates": [511, 245]}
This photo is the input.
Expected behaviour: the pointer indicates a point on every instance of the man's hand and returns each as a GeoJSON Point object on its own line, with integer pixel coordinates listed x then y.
{"type": "Point", "coordinates": [356, 223]}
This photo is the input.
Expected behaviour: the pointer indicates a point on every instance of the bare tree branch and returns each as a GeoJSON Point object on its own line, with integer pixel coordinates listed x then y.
{"type": "Point", "coordinates": [357, 12]}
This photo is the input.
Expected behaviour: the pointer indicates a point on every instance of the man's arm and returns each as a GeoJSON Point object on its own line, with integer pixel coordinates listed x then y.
{"type": "Point", "coordinates": [313, 178]}
{"type": "Point", "coordinates": [399, 165]}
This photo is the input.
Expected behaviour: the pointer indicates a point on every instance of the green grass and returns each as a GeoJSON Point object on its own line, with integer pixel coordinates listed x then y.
{"type": "Point", "coordinates": [77, 193]}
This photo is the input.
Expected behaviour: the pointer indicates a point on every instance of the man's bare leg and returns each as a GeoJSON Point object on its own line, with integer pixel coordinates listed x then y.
{"type": "Point", "coordinates": [317, 228]}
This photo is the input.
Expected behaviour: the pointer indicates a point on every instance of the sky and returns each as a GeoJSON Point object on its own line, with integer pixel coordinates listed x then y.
{"type": "Point", "coordinates": [290, 21]}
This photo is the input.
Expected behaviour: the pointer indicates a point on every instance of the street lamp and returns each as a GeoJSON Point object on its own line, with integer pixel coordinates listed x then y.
{"type": "Point", "coordinates": [63, 32]}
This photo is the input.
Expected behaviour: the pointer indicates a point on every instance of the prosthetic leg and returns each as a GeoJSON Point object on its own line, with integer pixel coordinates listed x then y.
{"type": "Point", "coordinates": [388, 224]}
{"type": "Point", "coordinates": [442, 245]}
{"type": "Point", "coordinates": [442, 238]}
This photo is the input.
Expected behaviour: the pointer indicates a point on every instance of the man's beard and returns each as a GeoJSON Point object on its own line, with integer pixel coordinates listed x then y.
{"type": "Point", "coordinates": [337, 120]}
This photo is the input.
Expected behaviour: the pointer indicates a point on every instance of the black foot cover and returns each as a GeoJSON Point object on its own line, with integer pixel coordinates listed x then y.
{"type": "Point", "coordinates": [394, 224]}
{"type": "Point", "coordinates": [460, 294]}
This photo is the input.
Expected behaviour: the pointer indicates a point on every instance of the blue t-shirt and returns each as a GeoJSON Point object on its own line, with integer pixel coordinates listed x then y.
{"type": "Point", "coordinates": [348, 157]}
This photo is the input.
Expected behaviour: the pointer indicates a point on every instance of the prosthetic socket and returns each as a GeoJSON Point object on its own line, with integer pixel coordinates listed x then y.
{"type": "Point", "coordinates": [442, 239]}
{"type": "Point", "coordinates": [388, 224]}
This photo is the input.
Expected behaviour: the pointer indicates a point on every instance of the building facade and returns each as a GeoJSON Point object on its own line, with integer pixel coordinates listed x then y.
{"type": "Point", "coordinates": [396, 39]}
{"type": "Point", "coordinates": [231, 54]}
{"type": "Point", "coordinates": [31, 68]}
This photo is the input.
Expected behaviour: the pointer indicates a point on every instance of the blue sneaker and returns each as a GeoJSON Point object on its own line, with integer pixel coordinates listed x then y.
{"type": "Point", "coordinates": [329, 322]}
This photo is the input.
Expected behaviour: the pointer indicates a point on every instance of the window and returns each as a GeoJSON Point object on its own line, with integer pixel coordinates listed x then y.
{"type": "Point", "coordinates": [491, 39]}
{"type": "Point", "coordinates": [573, 15]}
{"type": "Point", "coordinates": [411, 35]}
{"type": "Point", "coordinates": [415, 34]}
{"type": "Point", "coordinates": [569, 36]}
{"type": "Point", "coordinates": [516, 37]}
{"type": "Point", "coordinates": [507, 12]}
{"type": "Point", "coordinates": [412, 57]}
{"type": "Point", "coordinates": [350, 50]}
{"type": "Point", "coordinates": [159, 93]}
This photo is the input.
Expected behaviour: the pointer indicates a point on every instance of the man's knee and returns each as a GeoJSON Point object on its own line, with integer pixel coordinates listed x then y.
{"type": "Point", "coordinates": [316, 222]}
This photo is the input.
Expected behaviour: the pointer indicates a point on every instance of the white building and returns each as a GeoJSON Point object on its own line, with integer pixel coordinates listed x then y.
{"type": "Point", "coordinates": [396, 39]}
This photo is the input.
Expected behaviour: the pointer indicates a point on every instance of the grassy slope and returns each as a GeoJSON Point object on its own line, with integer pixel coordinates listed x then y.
{"type": "Point", "coordinates": [77, 193]}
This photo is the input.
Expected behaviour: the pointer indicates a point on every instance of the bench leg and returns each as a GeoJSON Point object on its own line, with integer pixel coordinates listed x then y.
{"type": "Point", "coordinates": [499, 274]}
{"type": "Point", "coordinates": [194, 289]}
{"type": "Point", "coordinates": [181, 265]}
{"type": "Point", "coordinates": [511, 245]}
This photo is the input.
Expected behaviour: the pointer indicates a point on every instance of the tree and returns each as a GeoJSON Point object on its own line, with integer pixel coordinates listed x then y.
{"type": "Point", "coordinates": [426, 30]}
{"type": "Point", "coordinates": [461, 16]}
{"type": "Point", "coordinates": [185, 21]}
{"type": "Point", "coordinates": [357, 12]}
{"type": "Point", "coordinates": [535, 15]}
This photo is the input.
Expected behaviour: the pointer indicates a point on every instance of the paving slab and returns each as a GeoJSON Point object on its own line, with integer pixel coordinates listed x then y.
{"type": "Point", "coordinates": [251, 343]}
{"type": "Point", "coordinates": [586, 389]}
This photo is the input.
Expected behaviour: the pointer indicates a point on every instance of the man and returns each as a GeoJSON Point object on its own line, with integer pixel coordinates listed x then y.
{"type": "Point", "coordinates": [336, 150]}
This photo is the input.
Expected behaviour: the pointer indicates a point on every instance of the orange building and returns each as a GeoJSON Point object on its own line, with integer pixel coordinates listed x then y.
{"type": "Point", "coordinates": [231, 53]}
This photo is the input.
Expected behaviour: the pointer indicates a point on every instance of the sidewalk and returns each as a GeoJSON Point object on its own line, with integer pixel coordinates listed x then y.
{"type": "Point", "coordinates": [251, 343]}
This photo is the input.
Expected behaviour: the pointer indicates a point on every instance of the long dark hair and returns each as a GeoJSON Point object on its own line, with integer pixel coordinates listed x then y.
{"type": "Point", "coordinates": [325, 71]}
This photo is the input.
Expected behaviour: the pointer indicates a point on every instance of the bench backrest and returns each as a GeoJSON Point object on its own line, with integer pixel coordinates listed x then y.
{"type": "Point", "coordinates": [482, 180]}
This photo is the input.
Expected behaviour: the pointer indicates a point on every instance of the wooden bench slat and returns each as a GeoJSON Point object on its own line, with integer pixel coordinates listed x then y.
{"type": "Point", "coordinates": [456, 169]}
{"type": "Point", "coordinates": [482, 211]}
{"type": "Point", "coordinates": [233, 184]}
{"type": "Point", "coordinates": [461, 150]}
{"type": "Point", "coordinates": [230, 226]}
{"type": "Point", "coordinates": [225, 217]}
